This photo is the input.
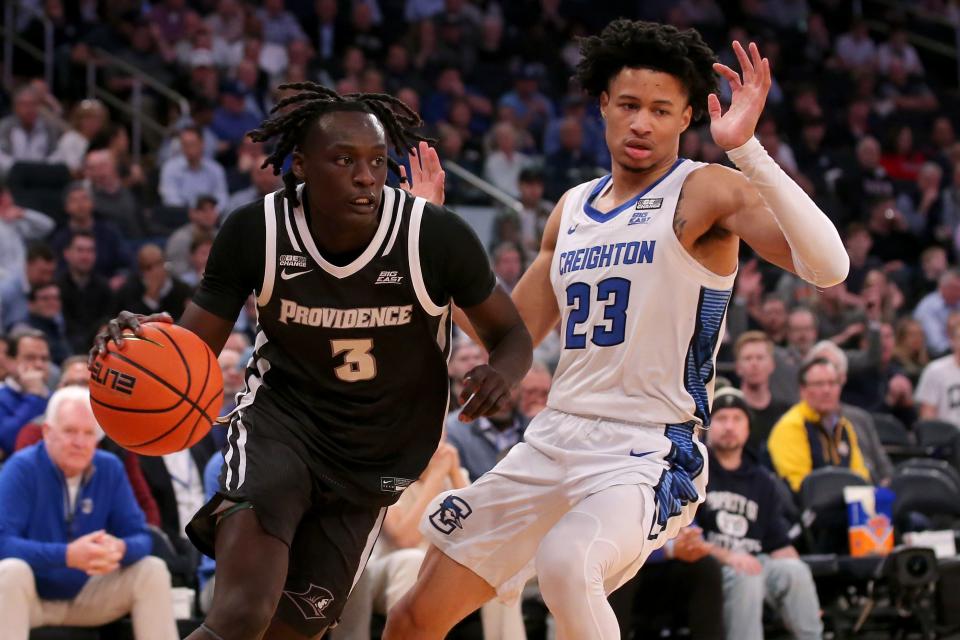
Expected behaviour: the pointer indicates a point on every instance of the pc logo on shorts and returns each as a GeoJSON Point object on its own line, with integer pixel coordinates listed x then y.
{"type": "Point", "coordinates": [311, 602]}
{"type": "Point", "coordinates": [450, 515]}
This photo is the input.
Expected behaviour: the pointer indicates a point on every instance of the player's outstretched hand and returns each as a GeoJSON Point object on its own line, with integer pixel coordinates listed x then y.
{"type": "Point", "coordinates": [733, 128]}
{"type": "Point", "coordinates": [115, 328]}
{"type": "Point", "coordinates": [427, 175]}
{"type": "Point", "coordinates": [485, 393]}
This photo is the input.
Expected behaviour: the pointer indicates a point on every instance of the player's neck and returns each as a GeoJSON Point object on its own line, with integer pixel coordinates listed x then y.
{"type": "Point", "coordinates": [625, 183]}
{"type": "Point", "coordinates": [339, 234]}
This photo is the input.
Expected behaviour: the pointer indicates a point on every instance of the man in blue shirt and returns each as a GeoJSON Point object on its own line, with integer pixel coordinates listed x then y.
{"type": "Point", "coordinates": [186, 177]}
{"type": "Point", "coordinates": [23, 395]}
{"type": "Point", "coordinates": [73, 542]}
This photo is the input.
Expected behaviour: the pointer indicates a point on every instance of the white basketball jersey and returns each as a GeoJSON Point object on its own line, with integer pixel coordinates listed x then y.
{"type": "Point", "coordinates": [641, 318]}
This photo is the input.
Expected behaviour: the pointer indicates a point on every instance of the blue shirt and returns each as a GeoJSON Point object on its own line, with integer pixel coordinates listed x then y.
{"type": "Point", "coordinates": [16, 409]}
{"type": "Point", "coordinates": [932, 313]}
{"type": "Point", "coordinates": [37, 523]}
{"type": "Point", "coordinates": [180, 185]}
{"type": "Point", "coordinates": [211, 476]}
{"type": "Point", "coordinates": [480, 443]}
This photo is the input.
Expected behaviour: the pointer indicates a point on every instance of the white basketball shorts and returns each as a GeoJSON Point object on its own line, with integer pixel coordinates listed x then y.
{"type": "Point", "coordinates": [494, 526]}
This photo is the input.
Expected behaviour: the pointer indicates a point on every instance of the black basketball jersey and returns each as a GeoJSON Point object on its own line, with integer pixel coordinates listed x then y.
{"type": "Point", "coordinates": [351, 360]}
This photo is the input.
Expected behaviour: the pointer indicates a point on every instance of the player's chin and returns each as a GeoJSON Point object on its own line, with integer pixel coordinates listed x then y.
{"type": "Point", "coordinates": [633, 165]}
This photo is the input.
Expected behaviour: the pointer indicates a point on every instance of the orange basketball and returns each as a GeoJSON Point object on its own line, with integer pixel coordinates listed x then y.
{"type": "Point", "coordinates": [160, 393]}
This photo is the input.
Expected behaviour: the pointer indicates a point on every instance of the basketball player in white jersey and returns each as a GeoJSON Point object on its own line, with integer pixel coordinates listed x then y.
{"type": "Point", "coordinates": [639, 268]}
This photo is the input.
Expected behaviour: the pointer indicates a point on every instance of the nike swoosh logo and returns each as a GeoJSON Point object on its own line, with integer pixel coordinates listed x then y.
{"type": "Point", "coordinates": [572, 229]}
{"type": "Point", "coordinates": [640, 455]}
{"type": "Point", "coordinates": [289, 276]}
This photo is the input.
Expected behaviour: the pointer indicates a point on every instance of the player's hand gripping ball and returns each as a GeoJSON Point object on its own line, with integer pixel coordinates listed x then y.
{"type": "Point", "coordinates": [159, 390]}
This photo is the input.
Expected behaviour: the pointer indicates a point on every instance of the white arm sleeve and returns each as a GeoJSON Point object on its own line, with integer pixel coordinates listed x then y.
{"type": "Point", "coordinates": [818, 253]}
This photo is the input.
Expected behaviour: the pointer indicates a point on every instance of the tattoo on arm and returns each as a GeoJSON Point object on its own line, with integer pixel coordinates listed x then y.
{"type": "Point", "coordinates": [679, 222]}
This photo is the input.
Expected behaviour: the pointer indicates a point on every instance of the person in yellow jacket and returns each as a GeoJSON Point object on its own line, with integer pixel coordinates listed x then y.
{"type": "Point", "coordinates": [813, 433]}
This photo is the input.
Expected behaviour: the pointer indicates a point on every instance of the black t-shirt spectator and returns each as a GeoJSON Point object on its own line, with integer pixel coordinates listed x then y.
{"type": "Point", "coordinates": [743, 512]}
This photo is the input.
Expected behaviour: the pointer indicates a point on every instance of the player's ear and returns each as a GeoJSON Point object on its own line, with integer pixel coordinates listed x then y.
{"type": "Point", "coordinates": [297, 166]}
{"type": "Point", "coordinates": [604, 102]}
{"type": "Point", "coordinates": [685, 118]}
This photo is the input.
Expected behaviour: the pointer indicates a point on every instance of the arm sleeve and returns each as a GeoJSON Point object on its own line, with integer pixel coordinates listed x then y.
{"type": "Point", "coordinates": [15, 489]}
{"type": "Point", "coordinates": [126, 519]}
{"type": "Point", "coordinates": [235, 266]}
{"type": "Point", "coordinates": [455, 264]}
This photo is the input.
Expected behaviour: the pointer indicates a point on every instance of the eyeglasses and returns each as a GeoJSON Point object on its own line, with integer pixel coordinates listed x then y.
{"type": "Point", "coordinates": [822, 384]}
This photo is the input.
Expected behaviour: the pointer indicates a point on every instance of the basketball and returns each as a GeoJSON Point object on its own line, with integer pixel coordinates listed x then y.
{"type": "Point", "coordinates": [160, 393]}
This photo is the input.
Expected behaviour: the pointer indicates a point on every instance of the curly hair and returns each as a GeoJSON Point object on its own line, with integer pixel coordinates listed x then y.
{"type": "Point", "coordinates": [649, 45]}
{"type": "Point", "coordinates": [311, 101]}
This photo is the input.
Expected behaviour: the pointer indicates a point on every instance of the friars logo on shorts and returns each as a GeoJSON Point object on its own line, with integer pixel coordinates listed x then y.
{"type": "Point", "coordinates": [311, 602]}
{"type": "Point", "coordinates": [449, 516]}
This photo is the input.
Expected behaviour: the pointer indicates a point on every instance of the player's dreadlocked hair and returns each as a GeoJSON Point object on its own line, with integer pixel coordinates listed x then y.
{"type": "Point", "coordinates": [314, 100]}
{"type": "Point", "coordinates": [649, 45]}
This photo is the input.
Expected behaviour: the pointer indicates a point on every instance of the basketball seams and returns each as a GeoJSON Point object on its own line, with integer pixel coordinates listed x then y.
{"type": "Point", "coordinates": [203, 412]}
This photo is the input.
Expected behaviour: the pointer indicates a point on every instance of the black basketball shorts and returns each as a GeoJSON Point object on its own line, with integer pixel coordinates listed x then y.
{"type": "Point", "coordinates": [330, 539]}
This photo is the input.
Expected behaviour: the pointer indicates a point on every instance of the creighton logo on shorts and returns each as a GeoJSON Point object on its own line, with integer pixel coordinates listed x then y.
{"type": "Point", "coordinates": [311, 602]}
{"type": "Point", "coordinates": [450, 514]}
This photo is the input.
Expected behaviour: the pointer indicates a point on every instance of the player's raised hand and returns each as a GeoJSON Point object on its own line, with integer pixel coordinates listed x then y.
{"type": "Point", "coordinates": [115, 328]}
{"type": "Point", "coordinates": [736, 126]}
{"type": "Point", "coordinates": [427, 176]}
{"type": "Point", "coordinates": [485, 393]}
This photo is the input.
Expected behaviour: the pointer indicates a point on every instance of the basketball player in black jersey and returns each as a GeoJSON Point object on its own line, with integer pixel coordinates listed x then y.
{"type": "Point", "coordinates": [346, 391]}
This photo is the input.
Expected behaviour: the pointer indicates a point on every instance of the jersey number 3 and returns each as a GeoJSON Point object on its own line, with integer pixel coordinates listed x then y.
{"type": "Point", "coordinates": [615, 293]}
{"type": "Point", "coordinates": [358, 363]}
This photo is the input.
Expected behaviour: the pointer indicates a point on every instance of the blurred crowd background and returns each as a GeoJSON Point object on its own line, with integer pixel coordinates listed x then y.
{"type": "Point", "coordinates": [123, 149]}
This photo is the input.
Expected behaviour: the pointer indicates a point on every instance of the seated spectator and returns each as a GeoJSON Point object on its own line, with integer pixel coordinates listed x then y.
{"type": "Point", "coordinates": [232, 120]}
{"type": "Point", "coordinates": [204, 217]}
{"type": "Point", "coordinates": [898, 48]}
{"type": "Point", "coordinates": [939, 388]}
{"type": "Point", "coordinates": [76, 374]}
{"type": "Point", "coordinates": [910, 351]}
{"type": "Point", "coordinates": [154, 289]}
{"type": "Point", "coordinates": [874, 456]}
{"type": "Point", "coordinates": [815, 433]}
{"type": "Point", "coordinates": [86, 564]}
{"type": "Point", "coordinates": [24, 393]}
{"type": "Point", "coordinates": [924, 206]}
{"type": "Point", "coordinates": [200, 246]}
{"type": "Point", "coordinates": [45, 315]}
{"type": "Point", "coordinates": [801, 334]}
{"type": "Point", "coordinates": [113, 200]}
{"type": "Point", "coordinates": [529, 105]}
{"type": "Point", "coordinates": [87, 119]}
{"type": "Point", "coordinates": [113, 257]}
{"type": "Point", "coordinates": [25, 135]}
{"type": "Point", "coordinates": [263, 181]}
{"type": "Point", "coordinates": [464, 356]}
{"type": "Point", "coordinates": [504, 162]}
{"type": "Point", "coordinates": [186, 177]}
{"type": "Point", "coordinates": [902, 160]}
{"type": "Point", "coordinates": [773, 319]}
{"type": "Point", "coordinates": [18, 226]}
{"type": "Point", "coordinates": [41, 269]}
{"type": "Point", "coordinates": [279, 25]}
{"type": "Point", "coordinates": [742, 521]}
{"type": "Point", "coordinates": [85, 295]}
{"type": "Point", "coordinates": [508, 265]}
{"type": "Point", "coordinates": [753, 354]}
{"type": "Point", "coordinates": [569, 165]}
{"type": "Point", "coordinates": [856, 51]}
{"type": "Point", "coordinates": [935, 308]}
{"type": "Point", "coordinates": [484, 441]}
{"type": "Point", "coordinates": [866, 182]}
{"type": "Point", "coordinates": [536, 210]}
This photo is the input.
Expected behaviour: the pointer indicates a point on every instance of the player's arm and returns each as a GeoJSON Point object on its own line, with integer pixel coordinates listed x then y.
{"type": "Point", "coordinates": [765, 206]}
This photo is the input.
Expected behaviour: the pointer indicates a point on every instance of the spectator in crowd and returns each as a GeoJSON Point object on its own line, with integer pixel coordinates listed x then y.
{"type": "Point", "coordinates": [856, 51]}
{"type": "Point", "coordinates": [24, 393]}
{"type": "Point", "coordinates": [773, 319]}
{"type": "Point", "coordinates": [508, 265]}
{"type": "Point", "coordinates": [263, 181]}
{"type": "Point", "coordinates": [112, 254]}
{"type": "Point", "coordinates": [112, 199]}
{"type": "Point", "coordinates": [6, 365]}
{"type": "Point", "coordinates": [536, 210]}
{"type": "Point", "coordinates": [898, 50]}
{"type": "Point", "coordinates": [908, 95]}
{"type": "Point", "coordinates": [531, 108]}
{"type": "Point", "coordinates": [935, 308]}
{"type": "Point", "coordinates": [186, 177]}
{"type": "Point", "coordinates": [232, 120]}
{"type": "Point", "coordinates": [754, 361]}
{"type": "Point", "coordinates": [85, 564]}
{"type": "Point", "coordinates": [76, 373]}
{"type": "Point", "coordinates": [41, 267]}
{"type": "Point", "coordinates": [204, 217]}
{"type": "Point", "coordinates": [569, 164]}
{"type": "Point", "coordinates": [279, 25]}
{"type": "Point", "coordinates": [858, 242]}
{"type": "Point", "coordinates": [815, 433]}
{"type": "Point", "coordinates": [801, 334]}
{"type": "Point", "coordinates": [482, 442]}
{"type": "Point", "coordinates": [742, 521]}
{"type": "Point", "coordinates": [938, 391]}
{"type": "Point", "coordinates": [25, 135]}
{"type": "Point", "coordinates": [534, 389]}
{"type": "Point", "coordinates": [231, 367]}
{"type": "Point", "coordinates": [464, 356]}
{"type": "Point", "coordinates": [87, 120]}
{"type": "Point", "coordinates": [86, 297]}
{"type": "Point", "coordinates": [45, 314]}
{"type": "Point", "coordinates": [910, 351]}
{"type": "Point", "coordinates": [200, 245]}
{"type": "Point", "coordinates": [154, 289]}
{"type": "Point", "coordinates": [505, 162]}
{"type": "Point", "coordinates": [18, 226]}
{"type": "Point", "coordinates": [866, 182]}
{"type": "Point", "coordinates": [874, 455]}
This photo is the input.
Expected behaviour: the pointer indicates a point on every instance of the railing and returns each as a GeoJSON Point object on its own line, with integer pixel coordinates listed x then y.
{"type": "Point", "coordinates": [11, 38]}
{"type": "Point", "coordinates": [480, 184]}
